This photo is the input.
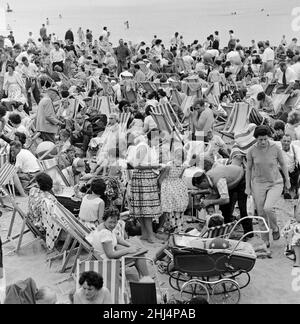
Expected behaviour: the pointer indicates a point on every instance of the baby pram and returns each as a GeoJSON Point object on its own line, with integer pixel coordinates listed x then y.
{"type": "Point", "coordinates": [216, 268]}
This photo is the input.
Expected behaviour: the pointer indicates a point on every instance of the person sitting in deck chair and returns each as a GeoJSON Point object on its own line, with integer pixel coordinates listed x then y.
{"type": "Point", "coordinates": [92, 290]}
{"type": "Point", "coordinates": [110, 245]}
{"type": "Point", "coordinates": [26, 164]}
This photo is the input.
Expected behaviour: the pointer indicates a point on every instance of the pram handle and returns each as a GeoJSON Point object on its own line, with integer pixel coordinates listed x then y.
{"type": "Point", "coordinates": [253, 232]}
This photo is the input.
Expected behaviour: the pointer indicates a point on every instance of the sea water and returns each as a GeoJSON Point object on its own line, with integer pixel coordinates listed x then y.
{"type": "Point", "coordinates": [194, 19]}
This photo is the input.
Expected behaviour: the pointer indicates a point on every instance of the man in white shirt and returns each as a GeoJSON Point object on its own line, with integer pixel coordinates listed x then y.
{"type": "Point", "coordinates": [28, 54]}
{"type": "Point", "coordinates": [30, 73]}
{"type": "Point", "coordinates": [57, 56]}
{"type": "Point", "coordinates": [26, 164]}
{"type": "Point", "coordinates": [285, 77]}
{"type": "Point", "coordinates": [268, 58]}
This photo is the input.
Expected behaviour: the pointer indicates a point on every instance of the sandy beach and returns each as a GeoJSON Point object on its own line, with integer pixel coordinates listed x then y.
{"type": "Point", "coordinates": [272, 280]}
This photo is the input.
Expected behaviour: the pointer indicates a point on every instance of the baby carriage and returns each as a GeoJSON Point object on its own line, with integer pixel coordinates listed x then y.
{"type": "Point", "coordinates": [214, 268]}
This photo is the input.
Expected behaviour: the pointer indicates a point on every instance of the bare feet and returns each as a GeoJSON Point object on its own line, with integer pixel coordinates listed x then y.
{"type": "Point", "coordinates": [154, 240]}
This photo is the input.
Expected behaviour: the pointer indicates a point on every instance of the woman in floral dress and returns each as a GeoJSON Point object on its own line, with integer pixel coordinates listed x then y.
{"type": "Point", "coordinates": [174, 192]}
{"type": "Point", "coordinates": [40, 208]}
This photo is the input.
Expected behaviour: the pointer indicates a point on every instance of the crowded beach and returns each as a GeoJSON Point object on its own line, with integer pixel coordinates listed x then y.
{"type": "Point", "coordinates": [166, 168]}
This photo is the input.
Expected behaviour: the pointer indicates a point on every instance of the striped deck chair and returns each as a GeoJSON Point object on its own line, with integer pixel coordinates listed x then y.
{"type": "Point", "coordinates": [279, 100]}
{"type": "Point", "coordinates": [123, 121]}
{"type": "Point", "coordinates": [175, 84]}
{"type": "Point", "coordinates": [163, 124]}
{"type": "Point", "coordinates": [103, 104]}
{"type": "Point", "coordinates": [222, 231]}
{"type": "Point", "coordinates": [7, 172]}
{"type": "Point", "coordinates": [270, 88]}
{"type": "Point", "coordinates": [243, 142]}
{"type": "Point", "coordinates": [167, 110]}
{"type": "Point", "coordinates": [8, 131]}
{"type": "Point", "coordinates": [110, 270]}
{"type": "Point", "coordinates": [238, 120]}
{"type": "Point", "coordinates": [149, 86]}
{"type": "Point", "coordinates": [78, 232]}
{"type": "Point", "coordinates": [180, 65]}
{"type": "Point", "coordinates": [51, 168]}
{"type": "Point", "coordinates": [176, 98]}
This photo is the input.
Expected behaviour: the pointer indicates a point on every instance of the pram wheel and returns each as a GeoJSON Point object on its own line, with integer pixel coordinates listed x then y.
{"type": "Point", "coordinates": [194, 288]}
{"type": "Point", "coordinates": [226, 291]}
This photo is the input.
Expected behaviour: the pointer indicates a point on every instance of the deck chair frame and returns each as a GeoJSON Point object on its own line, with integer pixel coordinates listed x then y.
{"type": "Point", "coordinates": [236, 121]}
{"type": "Point", "coordinates": [77, 232]}
{"type": "Point", "coordinates": [7, 172]}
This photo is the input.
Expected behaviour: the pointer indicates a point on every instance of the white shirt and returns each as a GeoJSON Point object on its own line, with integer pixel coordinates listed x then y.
{"type": "Point", "coordinates": [234, 57]}
{"type": "Point", "coordinates": [213, 52]}
{"type": "Point", "coordinates": [23, 54]}
{"type": "Point", "coordinates": [7, 42]}
{"type": "Point", "coordinates": [30, 71]}
{"type": "Point", "coordinates": [268, 55]}
{"type": "Point", "coordinates": [296, 69]}
{"type": "Point", "coordinates": [57, 56]}
{"type": "Point", "coordinates": [27, 162]}
{"type": "Point", "coordinates": [97, 238]}
{"type": "Point", "coordinates": [289, 74]}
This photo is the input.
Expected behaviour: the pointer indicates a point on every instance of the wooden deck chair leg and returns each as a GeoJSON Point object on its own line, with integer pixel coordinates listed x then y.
{"type": "Point", "coordinates": [11, 225]}
{"type": "Point", "coordinates": [61, 254]}
{"type": "Point", "coordinates": [76, 258]}
{"type": "Point", "coordinates": [67, 259]}
{"type": "Point", "coordinates": [21, 236]}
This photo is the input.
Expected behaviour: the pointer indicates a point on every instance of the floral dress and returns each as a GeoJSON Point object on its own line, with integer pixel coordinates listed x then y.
{"type": "Point", "coordinates": [40, 208]}
{"type": "Point", "coordinates": [174, 192]}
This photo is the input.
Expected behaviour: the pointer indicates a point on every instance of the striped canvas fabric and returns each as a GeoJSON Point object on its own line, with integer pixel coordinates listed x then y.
{"type": "Point", "coordinates": [93, 81]}
{"type": "Point", "coordinates": [4, 158]}
{"type": "Point", "coordinates": [278, 101]}
{"type": "Point", "coordinates": [96, 103]}
{"type": "Point", "coordinates": [243, 142]}
{"type": "Point", "coordinates": [7, 172]}
{"type": "Point", "coordinates": [8, 131]}
{"type": "Point", "coordinates": [255, 117]}
{"type": "Point", "coordinates": [48, 164]}
{"type": "Point", "coordinates": [239, 118]}
{"type": "Point", "coordinates": [162, 123]}
{"type": "Point", "coordinates": [167, 110]}
{"type": "Point", "coordinates": [51, 168]}
{"type": "Point", "coordinates": [123, 121]}
{"type": "Point", "coordinates": [110, 270]}
{"type": "Point", "coordinates": [220, 231]}
{"type": "Point", "coordinates": [149, 86]}
{"type": "Point", "coordinates": [176, 97]}
{"type": "Point", "coordinates": [103, 105]}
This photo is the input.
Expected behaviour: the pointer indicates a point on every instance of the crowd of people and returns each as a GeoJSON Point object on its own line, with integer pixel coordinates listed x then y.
{"type": "Point", "coordinates": [92, 108]}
